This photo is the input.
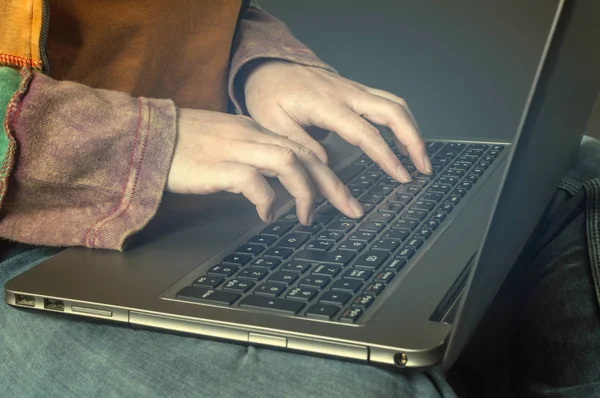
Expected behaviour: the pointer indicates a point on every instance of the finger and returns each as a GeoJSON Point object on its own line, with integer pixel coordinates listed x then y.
{"type": "Point", "coordinates": [394, 115]}
{"type": "Point", "coordinates": [238, 178]}
{"type": "Point", "coordinates": [286, 126]}
{"type": "Point", "coordinates": [323, 178]}
{"type": "Point", "coordinates": [357, 131]}
{"type": "Point", "coordinates": [283, 163]}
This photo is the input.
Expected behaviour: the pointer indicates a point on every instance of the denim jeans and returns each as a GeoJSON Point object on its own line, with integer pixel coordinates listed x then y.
{"type": "Point", "coordinates": [548, 344]}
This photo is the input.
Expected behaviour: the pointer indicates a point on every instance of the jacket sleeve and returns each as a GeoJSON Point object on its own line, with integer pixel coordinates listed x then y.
{"type": "Point", "coordinates": [91, 164]}
{"type": "Point", "coordinates": [262, 36]}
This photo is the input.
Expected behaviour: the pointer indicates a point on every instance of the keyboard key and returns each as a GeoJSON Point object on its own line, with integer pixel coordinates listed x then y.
{"type": "Point", "coordinates": [293, 240]}
{"type": "Point", "coordinates": [296, 266]}
{"type": "Point", "coordinates": [362, 236]}
{"type": "Point", "coordinates": [390, 207]}
{"type": "Point", "coordinates": [432, 196]}
{"type": "Point", "coordinates": [381, 190]}
{"type": "Point", "coordinates": [264, 240]}
{"type": "Point", "coordinates": [389, 181]}
{"type": "Point", "coordinates": [341, 257]}
{"type": "Point", "coordinates": [222, 270]}
{"type": "Point", "coordinates": [406, 252]}
{"type": "Point", "coordinates": [406, 189]}
{"type": "Point", "coordinates": [439, 161]}
{"type": "Point", "coordinates": [236, 259]}
{"type": "Point", "coordinates": [308, 229]}
{"type": "Point", "coordinates": [356, 192]}
{"type": "Point", "coordinates": [359, 274]}
{"type": "Point", "coordinates": [406, 224]}
{"type": "Point", "coordinates": [416, 243]}
{"type": "Point", "coordinates": [290, 217]}
{"type": "Point", "coordinates": [323, 219]}
{"type": "Point", "coordinates": [478, 171]}
{"type": "Point", "coordinates": [314, 281]}
{"type": "Point", "coordinates": [454, 146]}
{"type": "Point", "coordinates": [283, 277]}
{"type": "Point", "coordinates": [415, 214]}
{"type": "Point", "coordinates": [446, 207]}
{"type": "Point", "coordinates": [362, 184]}
{"type": "Point", "coordinates": [209, 281]}
{"type": "Point", "coordinates": [347, 285]}
{"type": "Point", "coordinates": [395, 234]}
{"type": "Point", "coordinates": [422, 234]}
{"type": "Point", "coordinates": [363, 301]}
{"type": "Point", "coordinates": [352, 245]}
{"type": "Point", "coordinates": [371, 198]}
{"type": "Point", "coordinates": [432, 147]}
{"type": "Point", "coordinates": [330, 235]}
{"type": "Point", "coordinates": [371, 176]}
{"type": "Point", "coordinates": [207, 295]}
{"type": "Point", "coordinates": [371, 259]}
{"type": "Point", "coordinates": [439, 216]}
{"type": "Point", "coordinates": [277, 228]}
{"type": "Point", "coordinates": [335, 298]}
{"type": "Point", "coordinates": [322, 311]}
{"type": "Point", "coordinates": [454, 173]}
{"type": "Point", "coordinates": [249, 249]}
{"type": "Point", "coordinates": [386, 245]}
{"type": "Point", "coordinates": [302, 293]}
{"type": "Point", "coordinates": [472, 178]}
{"type": "Point", "coordinates": [423, 205]}
{"type": "Point", "coordinates": [400, 198]}
{"type": "Point", "coordinates": [291, 307]}
{"type": "Point", "coordinates": [351, 315]}
{"type": "Point", "coordinates": [459, 192]}
{"type": "Point", "coordinates": [328, 209]}
{"type": "Point", "coordinates": [320, 245]}
{"type": "Point", "coordinates": [454, 199]}
{"type": "Point", "coordinates": [374, 288]}
{"type": "Point", "coordinates": [478, 146]}
{"type": "Point", "coordinates": [395, 264]}
{"type": "Point", "coordinates": [343, 226]}
{"type": "Point", "coordinates": [278, 252]}
{"type": "Point", "coordinates": [381, 217]}
{"type": "Point", "coordinates": [254, 273]}
{"type": "Point", "coordinates": [269, 263]}
{"type": "Point", "coordinates": [348, 173]}
{"type": "Point", "coordinates": [238, 285]}
{"type": "Point", "coordinates": [270, 289]}
{"type": "Point", "coordinates": [371, 226]}
{"type": "Point", "coordinates": [441, 188]}
{"type": "Point", "coordinates": [326, 270]}
{"type": "Point", "coordinates": [385, 277]}
{"type": "Point", "coordinates": [432, 224]}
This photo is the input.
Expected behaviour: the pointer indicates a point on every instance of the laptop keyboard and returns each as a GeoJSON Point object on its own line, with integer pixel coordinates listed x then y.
{"type": "Point", "coordinates": [335, 269]}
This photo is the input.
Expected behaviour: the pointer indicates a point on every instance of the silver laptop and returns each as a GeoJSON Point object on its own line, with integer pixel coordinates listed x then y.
{"type": "Point", "coordinates": [404, 286]}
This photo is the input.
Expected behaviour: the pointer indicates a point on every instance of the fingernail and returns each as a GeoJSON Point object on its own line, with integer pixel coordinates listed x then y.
{"type": "Point", "coordinates": [357, 209]}
{"type": "Point", "coordinates": [403, 174]}
{"type": "Point", "coordinates": [427, 164]}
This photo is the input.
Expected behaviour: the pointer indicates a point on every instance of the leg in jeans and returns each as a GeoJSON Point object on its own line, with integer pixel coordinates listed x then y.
{"type": "Point", "coordinates": [541, 336]}
{"type": "Point", "coordinates": [48, 355]}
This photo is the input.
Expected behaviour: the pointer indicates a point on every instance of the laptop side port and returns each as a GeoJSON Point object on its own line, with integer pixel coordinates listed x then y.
{"type": "Point", "coordinates": [24, 300]}
{"type": "Point", "coordinates": [54, 305]}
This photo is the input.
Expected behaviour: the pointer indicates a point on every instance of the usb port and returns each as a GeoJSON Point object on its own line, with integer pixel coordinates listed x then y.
{"type": "Point", "coordinates": [54, 305]}
{"type": "Point", "coordinates": [27, 301]}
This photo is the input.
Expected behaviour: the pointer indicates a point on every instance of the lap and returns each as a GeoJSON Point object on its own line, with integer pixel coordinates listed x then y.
{"type": "Point", "coordinates": [49, 355]}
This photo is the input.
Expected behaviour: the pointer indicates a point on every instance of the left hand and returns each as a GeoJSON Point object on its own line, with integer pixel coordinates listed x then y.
{"type": "Point", "coordinates": [285, 97]}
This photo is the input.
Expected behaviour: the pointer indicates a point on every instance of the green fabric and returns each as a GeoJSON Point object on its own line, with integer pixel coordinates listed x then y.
{"type": "Point", "coordinates": [9, 84]}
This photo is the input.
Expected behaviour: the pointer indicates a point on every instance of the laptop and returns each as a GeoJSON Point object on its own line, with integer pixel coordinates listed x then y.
{"type": "Point", "coordinates": [404, 286]}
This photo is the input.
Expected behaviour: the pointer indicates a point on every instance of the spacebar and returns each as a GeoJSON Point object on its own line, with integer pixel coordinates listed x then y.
{"type": "Point", "coordinates": [272, 304]}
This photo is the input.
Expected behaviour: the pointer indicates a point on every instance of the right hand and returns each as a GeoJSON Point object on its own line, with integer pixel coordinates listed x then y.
{"type": "Point", "coordinates": [222, 152]}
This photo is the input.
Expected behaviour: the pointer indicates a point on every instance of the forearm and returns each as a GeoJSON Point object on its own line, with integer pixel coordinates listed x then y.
{"type": "Point", "coordinates": [91, 165]}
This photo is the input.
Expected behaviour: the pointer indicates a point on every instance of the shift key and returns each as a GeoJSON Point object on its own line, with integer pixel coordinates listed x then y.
{"type": "Point", "coordinates": [336, 257]}
{"type": "Point", "coordinates": [206, 295]}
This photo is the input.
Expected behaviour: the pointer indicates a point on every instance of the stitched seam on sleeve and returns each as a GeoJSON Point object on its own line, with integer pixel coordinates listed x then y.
{"type": "Point", "coordinates": [134, 176]}
{"type": "Point", "coordinates": [12, 113]}
{"type": "Point", "coordinates": [104, 220]}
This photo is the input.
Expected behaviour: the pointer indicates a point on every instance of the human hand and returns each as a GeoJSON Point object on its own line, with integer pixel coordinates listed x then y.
{"type": "Point", "coordinates": [221, 152]}
{"type": "Point", "coordinates": [285, 97]}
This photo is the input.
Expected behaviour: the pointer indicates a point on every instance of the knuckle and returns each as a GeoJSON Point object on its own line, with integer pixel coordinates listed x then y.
{"type": "Point", "coordinates": [288, 157]}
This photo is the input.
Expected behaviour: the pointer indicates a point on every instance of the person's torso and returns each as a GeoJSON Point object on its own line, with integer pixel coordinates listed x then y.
{"type": "Point", "coordinates": [176, 49]}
